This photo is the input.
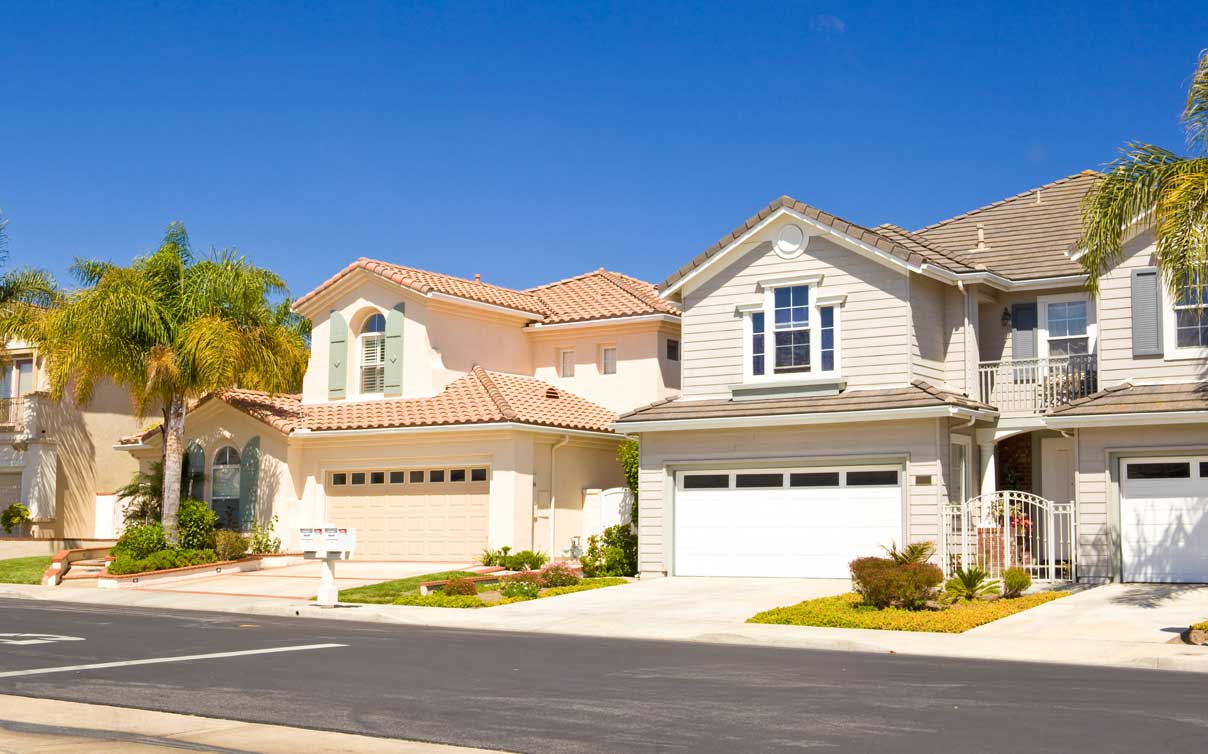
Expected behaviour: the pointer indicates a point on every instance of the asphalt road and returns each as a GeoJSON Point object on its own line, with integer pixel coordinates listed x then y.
{"type": "Point", "coordinates": [545, 693]}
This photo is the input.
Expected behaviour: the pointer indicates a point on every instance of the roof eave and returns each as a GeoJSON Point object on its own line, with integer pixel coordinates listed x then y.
{"type": "Point", "coordinates": [637, 426]}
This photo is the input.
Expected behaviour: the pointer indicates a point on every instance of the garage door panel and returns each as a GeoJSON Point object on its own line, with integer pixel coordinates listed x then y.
{"type": "Point", "coordinates": [1164, 521]}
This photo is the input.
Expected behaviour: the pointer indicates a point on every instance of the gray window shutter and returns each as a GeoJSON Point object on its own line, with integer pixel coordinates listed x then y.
{"type": "Point", "coordinates": [1146, 313]}
{"type": "Point", "coordinates": [337, 356]}
{"type": "Point", "coordinates": [1023, 331]}
{"type": "Point", "coordinates": [249, 483]}
{"type": "Point", "coordinates": [195, 471]}
{"type": "Point", "coordinates": [394, 351]}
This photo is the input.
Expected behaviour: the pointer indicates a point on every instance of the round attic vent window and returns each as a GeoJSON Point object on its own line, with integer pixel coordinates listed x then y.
{"type": "Point", "coordinates": [790, 241]}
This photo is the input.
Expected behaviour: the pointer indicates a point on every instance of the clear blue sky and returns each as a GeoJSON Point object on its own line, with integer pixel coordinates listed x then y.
{"type": "Point", "coordinates": [537, 142]}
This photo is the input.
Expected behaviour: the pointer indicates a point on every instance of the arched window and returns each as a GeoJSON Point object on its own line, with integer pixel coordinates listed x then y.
{"type": "Point", "coordinates": [224, 487]}
{"type": "Point", "coordinates": [373, 354]}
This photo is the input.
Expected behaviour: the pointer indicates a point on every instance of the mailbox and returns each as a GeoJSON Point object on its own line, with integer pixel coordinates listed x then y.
{"type": "Point", "coordinates": [327, 542]}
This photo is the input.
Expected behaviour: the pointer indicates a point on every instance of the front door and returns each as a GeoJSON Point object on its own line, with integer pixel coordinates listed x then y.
{"type": "Point", "coordinates": [1057, 469]}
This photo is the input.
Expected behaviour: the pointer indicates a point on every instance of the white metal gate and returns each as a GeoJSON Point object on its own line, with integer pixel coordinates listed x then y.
{"type": "Point", "coordinates": [1005, 529]}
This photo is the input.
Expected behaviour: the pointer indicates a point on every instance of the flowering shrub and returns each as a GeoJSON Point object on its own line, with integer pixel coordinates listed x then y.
{"type": "Point", "coordinates": [518, 588]}
{"type": "Point", "coordinates": [558, 574]}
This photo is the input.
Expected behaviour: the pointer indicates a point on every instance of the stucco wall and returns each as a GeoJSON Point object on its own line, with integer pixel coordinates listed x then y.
{"type": "Point", "coordinates": [922, 443]}
{"type": "Point", "coordinates": [874, 323]}
{"type": "Point", "coordinates": [579, 465]}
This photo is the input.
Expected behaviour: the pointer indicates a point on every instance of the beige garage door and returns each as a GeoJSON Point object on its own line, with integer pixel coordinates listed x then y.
{"type": "Point", "coordinates": [10, 489]}
{"type": "Point", "coordinates": [435, 514]}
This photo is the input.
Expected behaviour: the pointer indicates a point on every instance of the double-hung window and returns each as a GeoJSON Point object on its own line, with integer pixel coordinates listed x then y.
{"type": "Point", "coordinates": [1191, 312]}
{"type": "Point", "coordinates": [791, 334]}
{"type": "Point", "coordinates": [1067, 331]}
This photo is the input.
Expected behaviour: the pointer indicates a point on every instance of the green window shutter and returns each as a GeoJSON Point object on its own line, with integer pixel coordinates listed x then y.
{"type": "Point", "coordinates": [337, 356]}
{"type": "Point", "coordinates": [249, 483]}
{"type": "Point", "coordinates": [394, 351]}
{"type": "Point", "coordinates": [195, 471]}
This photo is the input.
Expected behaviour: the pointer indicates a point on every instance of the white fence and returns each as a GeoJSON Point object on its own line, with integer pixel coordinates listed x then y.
{"type": "Point", "coordinates": [1035, 385]}
{"type": "Point", "coordinates": [1006, 529]}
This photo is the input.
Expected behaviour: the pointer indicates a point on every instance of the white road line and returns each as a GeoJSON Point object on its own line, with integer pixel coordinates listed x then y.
{"type": "Point", "coordinates": [158, 660]}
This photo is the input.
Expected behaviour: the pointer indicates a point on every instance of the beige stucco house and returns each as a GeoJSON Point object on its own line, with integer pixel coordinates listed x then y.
{"type": "Point", "coordinates": [846, 387]}
{"type": "Point", "coordinates": [440, 416]}
{"type": "Point", "coordinates": [57, 457]}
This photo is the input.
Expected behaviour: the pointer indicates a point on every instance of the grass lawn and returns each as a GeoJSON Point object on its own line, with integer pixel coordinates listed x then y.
{"type": "Point", "coordinates": [23, 570]}
{"type": "Point", "coordinates": [388, 591]}
{"type": "Point", "coordinates": [845, 611]}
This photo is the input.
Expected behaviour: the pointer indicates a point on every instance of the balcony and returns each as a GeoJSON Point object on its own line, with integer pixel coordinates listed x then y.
{"type": "Point", "coordinates": [12, 415]}
{"type": "Point", "coordinates": [1032, 386]}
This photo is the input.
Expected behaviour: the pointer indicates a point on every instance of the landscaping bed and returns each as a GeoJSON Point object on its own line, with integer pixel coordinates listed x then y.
{"type": "Point", "coordinates": [485, 594]}
{"type": "Point", "coordinates": [24, 570]}
{"type": "Point", "coordinates": [848, 611]}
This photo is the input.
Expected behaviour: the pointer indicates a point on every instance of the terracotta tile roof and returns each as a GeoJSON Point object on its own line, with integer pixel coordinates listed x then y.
{"type": "Point", "coordinates": [1129, 399]}
{"type": "Point", "coordinates": [480, 397]}
{"type": "Point", "coordinates": [918, 394]}
{"type": "Point", "coordinates": [884, 243]}
{"type": "Point", "coordinates": [1027, 235]}
{"type": "Point", "coordinates": [599, 295]}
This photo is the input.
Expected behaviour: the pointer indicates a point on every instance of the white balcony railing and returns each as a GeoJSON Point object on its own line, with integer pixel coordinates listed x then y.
{"type": "Point", "coordinates": [12, 414]}
{"type": "Point", "coordinates": [1036, 385]}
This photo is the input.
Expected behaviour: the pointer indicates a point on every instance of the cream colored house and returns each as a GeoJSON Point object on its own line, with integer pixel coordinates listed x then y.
{"type": "Point", "coordinates": [440, 416]}
{"type": "Point", "coordinates": [57, 458]}
{"type": "Point", "coordinates": [845, 388]}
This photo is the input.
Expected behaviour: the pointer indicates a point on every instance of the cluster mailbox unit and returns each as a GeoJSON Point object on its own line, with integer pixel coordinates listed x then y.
{"type": "Point", "coordinates": [328, 544]}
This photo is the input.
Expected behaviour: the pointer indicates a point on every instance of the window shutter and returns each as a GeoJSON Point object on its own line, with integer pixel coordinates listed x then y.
{"type": "Point", "coordinates": [1023, 331]}
{"type": "Point", "coordinates": [337, 356]}
{"type": "Point", "coordinates": [394, 351]}
{"type": "Point", "coordinates": [249, 483]}
{"type": "Point", "coordinates": [195, 471]}
{"type": "Point", "coordinates": [1146, 313]}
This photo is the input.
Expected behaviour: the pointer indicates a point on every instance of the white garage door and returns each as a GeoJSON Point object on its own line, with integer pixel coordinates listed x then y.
{"type": "Point", "coordinates": [784, 522]}
{"type": "Point", "coordinates": [1164, 519]}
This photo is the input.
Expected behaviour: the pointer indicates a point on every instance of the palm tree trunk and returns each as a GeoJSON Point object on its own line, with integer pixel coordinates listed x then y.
{"type": "Point", "coordinates": [174, 448]}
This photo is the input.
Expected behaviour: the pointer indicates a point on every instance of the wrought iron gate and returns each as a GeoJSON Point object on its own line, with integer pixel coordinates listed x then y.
{"type": "Point", "coordinates": [1005, 529]}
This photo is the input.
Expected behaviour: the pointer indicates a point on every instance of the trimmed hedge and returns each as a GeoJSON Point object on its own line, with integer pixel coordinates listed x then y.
{"type": "Point", "coordinates": [847, 611]}
{"type": "Point", "coordinates": [885, 582]}
{"type": "Point", "coordinates": [160, 561]}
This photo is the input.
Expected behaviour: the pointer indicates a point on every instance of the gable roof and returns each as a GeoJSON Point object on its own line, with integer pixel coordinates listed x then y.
{"type": "Point", "coordinates": [599, 294]}
{"type": "Point", "coordinates": [480, 397]}
{"type": "Point", "coordinates": [914, 254]}
{"type": "Point", "coordinates": [1027, 235]}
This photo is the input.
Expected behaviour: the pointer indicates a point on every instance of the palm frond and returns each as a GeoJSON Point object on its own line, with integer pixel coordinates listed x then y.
{"type": "Point", "coordinates": [1195, 113]}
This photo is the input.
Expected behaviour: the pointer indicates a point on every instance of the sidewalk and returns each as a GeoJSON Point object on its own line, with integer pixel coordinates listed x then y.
{"type": "Point", "coordinates": [46, 726]}
{"type": "Point", "coordinates": [715, 610]}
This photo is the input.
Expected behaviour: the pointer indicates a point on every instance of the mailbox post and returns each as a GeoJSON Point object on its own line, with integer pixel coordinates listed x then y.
{"type": "Point", "coordinates": [328, 543]}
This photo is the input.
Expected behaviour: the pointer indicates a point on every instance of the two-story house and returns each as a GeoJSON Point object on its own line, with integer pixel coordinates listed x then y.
{"type": "Point", "coordinates": [440, 415]}
{"type": "Point", "coordinates": [57, 457]}
{"type": "Point", "coordinates": [846, 388]}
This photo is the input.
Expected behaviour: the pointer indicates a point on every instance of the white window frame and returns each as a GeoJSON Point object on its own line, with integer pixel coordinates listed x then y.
{"type": "Point", "coordinates": [767, 307]}
{"type": "Point", "coordinates": [968, 480]}
{"type": "Point", "coordinates": [563, 353]}
{"type": "Point", "coordinates": [363, 339]}
{"type": "Point", "coordinates": [1170, 341]}
{"type": "Point", "coordinates": [1042, 321]}
{"type": "Point", "coordinates": [604, 349]}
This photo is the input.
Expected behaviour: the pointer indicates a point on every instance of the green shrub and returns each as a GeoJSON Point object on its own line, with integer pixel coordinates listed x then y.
{"type": "Point", "coordinates": [230, 545]}
{"type": "Point", "coordinates": [261, 541]}
{"type": "Point", "coordinates": [883, 583]}
{"type": "Point", "coordinates": [847, 611]}
{"type": "Point", "coordinates": [496, 558]}
{"type": "Point", "coordinates": [970, 584]}
{"type": "Point", "coordinates": [1015, 581]}
{"type": "Point", "coordinates": [558, 574]}
{"type": "Point", "coordinates": [439, 600]}
{"type": "Point", "coordinates": [615, 553]}
{"type": "Point", "coordinates": [195, 524]}
{"type": "Point", "coordinates": [915, 552]}
{"type": "Point", "coordinates": [13, 517]}
{"type": "Point", "coordinates": [515, 588]}
{"type": "Point", "coordinates": [525, 560]}
{"type": "Point", "coordinates": [629, 454]}
{"type": "Point", "coordinates": [160, 561]}
{"type": "Point", "coordinates": [583, 586]}
{"type": "Point", "coordinates": [138, 542]}
{"type": "Point", "coordinates": [460, 586]}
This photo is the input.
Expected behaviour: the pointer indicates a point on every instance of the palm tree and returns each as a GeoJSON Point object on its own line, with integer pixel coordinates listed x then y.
{"type": "Point", "coordinates": [170, 328]}
{"type": "Point", "coordinates": [1151, 188]}
{"type": "Point", "coordinates": [23, 293]}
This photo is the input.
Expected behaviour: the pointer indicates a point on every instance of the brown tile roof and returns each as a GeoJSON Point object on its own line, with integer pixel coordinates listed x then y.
{"type": "Point", "coordinates": [480, 397]}
{"type": "Point", "coordinates": [1129, 399]}
{"type": "Point", "coordinates": [599, 294]}
{"type": "Point", "coordinates": [1027, 235]}
{"type": "Point", "coordinates": [918, 394]}
{"type": "Point", "coordinates": [914, 255]}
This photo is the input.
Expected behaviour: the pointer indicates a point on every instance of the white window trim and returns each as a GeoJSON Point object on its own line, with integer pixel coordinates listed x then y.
{"type": "Point", "coordinates": [966, 442]}
{"type": "Point", "coordinates": [616, 366]}
{"type": "Point", "coordinates": [768, 308]}
{"type": "Point", "coordinates": [1170, 342]}
{"type": "Point", "coordinates": [360, 362]}
{"type": "Point", "coordinates": [562, 354]}
{"type": "Point", "coordinates": [1042, 322]}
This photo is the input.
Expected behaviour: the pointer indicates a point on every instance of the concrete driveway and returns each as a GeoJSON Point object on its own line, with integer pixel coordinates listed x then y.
{"type": "Point", "coordinates": [1152, 613]}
